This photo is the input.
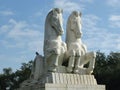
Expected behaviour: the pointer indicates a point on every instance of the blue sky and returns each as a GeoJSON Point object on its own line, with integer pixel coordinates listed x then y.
{"type": "Point", "coordinates": [22, 27]}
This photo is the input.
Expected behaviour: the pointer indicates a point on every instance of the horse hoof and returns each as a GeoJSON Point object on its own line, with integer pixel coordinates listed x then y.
{"type": "Point", "coordinates": [76, 71]}
{"type": "Point", "coordinates": [52, 69]}
{"type": "Point", "coordinates": [89, 71]}
{"type": "Point", "coordinates": [69, 69]}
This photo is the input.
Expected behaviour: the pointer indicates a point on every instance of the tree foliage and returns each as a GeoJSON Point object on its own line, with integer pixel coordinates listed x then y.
{"type": "Point", "coordinates": [10, 80]}
{"type": "Point", "coordinates": [107, 70]}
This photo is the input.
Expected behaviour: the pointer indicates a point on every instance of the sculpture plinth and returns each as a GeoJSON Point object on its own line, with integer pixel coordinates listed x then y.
{"type": "Point", "coordinates": [65, 81]}
{"type": "Point", "coordinates": [62, 67]}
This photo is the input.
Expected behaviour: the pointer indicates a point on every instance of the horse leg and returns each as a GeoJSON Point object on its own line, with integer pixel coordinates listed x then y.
{"type": "Point", "coordinates": [61, 58]}
{"type": "Point", "coordinates": [92, 56]}
{"type": "Point", "coordinates": [56, 60]}
{"type": "Point", "coordinates": [77, 61]}
{"type": "Point", "coordinates": [71, 61]}
{"type": "Point", "coordinates": [53, 63]}
{"type": "Point", "coordinates": [62, 54]}
{"type": "Point", "coordinates": [52, 60]}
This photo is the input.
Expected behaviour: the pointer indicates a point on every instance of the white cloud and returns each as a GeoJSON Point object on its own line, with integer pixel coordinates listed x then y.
{"type": "Point", "coordinates": [98, 38]}
{"type": "Point", "coordinates": [6, 13]}
{"type": "Point", "coordinates": [4, 28]}
{"type": "Point", "coordinates": [12, 21]}
{"type": "Point", "coordinates": [20, 34]}
{"type": "Point", "coordinates": [89, 1]}
{"type": "Point", "coordinates": [68, 5]}
{"type": "Point", "coordinates": [90, 21]}
{"type": "Point", "coordinates": [21, 29]}
{"type": "Point", "coordinates": [114, 3]}
{"type": "Point", "coordinates": [19, 41]}
{"type": "Point", "coordinates": [36, 46]}
{"type": "Point", "coordinates": [37, 14]}
{"type": "Point", "coordinates": [114, 21]}
{"type": "Point", "coordinates": [103, 41]}
{"type": "Point", "coordinates": [118, 46]}
{"type": "Point", "coordinates": [114, 18]}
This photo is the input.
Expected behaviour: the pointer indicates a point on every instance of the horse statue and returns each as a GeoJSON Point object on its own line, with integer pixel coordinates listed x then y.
{"type": "Point", "coordinates": [54, 47]}
{"type": "Point", "coordinates": [76, 51]}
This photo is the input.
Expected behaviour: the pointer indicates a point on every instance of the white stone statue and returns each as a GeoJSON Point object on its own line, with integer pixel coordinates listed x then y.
{"type": "Point", "coordinates": [77, 51]}
{"type": "Point", "coordinates": [54, 47]}
{"type": "Point", "coordinates": [38, 67]}
{"type": "Point", "coordinates": [48, 73]}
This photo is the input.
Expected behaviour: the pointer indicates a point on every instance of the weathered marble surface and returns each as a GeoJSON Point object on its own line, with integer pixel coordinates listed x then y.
{"type": "Point", "coordinates": [73, 87]}
{"type": "Point", "coordinates": [49, 86]}
{"type": "Point", "coordinates": [38, 68]}
{"type": "Point", "coordinates": [76, 50]}
{"type": "Point", "coordinates": [48, 73]}
{"type": "Point", "coordinates": [54, 47]}
{"type": "Point", "coordinates": [66, 78]}
{"type": "Point", "coordinates": [65, 81]}
{"type": "Point", "coordinates": [56, 51]}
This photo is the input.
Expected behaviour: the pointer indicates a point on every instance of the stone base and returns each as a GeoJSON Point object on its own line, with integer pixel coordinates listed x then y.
{"type": "Point", "coordinates": [34, 87]}
{"type": "Point", "coordinates": [49, 86]}
{"type": "Point", "coordinates": [61, 69]}
{"type": "Point", "coordinates": [66, 78]}
{"type": "Point", "coordinates": [65, 81]}
{"type": "Point", "coordinates": [73, 87]}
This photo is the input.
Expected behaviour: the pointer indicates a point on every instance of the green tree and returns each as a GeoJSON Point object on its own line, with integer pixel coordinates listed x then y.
{"type": "Point", "coordinates": [11, 80]}
{"type": "Point", "coordinates": [7, 71]}
{"type": "Point", "coordinates": [113, 63]}
{"type": "Point", "coordinates": [6, 79]}
{"type": "Point", "coordinates": [25, 71]}
{"type": "Point", "coordinates": [107, 70]}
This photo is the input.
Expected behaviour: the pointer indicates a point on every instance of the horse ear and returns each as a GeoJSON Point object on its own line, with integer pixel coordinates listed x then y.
{"type": "Point", "coordinates": [61, 10]}
{"type": "Point", "coordinates": [57, 10]}
{"type": "Point", "coordinates": [80, 14]}
{"type": "Point", "coordinates": [53, 10]}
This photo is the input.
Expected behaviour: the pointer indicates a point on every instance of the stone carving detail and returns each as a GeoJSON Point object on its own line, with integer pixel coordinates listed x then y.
{"type": "Point", "coordinates": [38, 67]}
{"type": "Point", "coordinates": [56, 51]}
{"type": "Point", "coordinates": [77, 51]}
{"type": "Point", "coordinates": [54, 47]}
{"type": "Point", "coordinates": [48, 72]}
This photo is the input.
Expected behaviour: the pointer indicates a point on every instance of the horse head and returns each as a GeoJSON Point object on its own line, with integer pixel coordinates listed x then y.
{"type": "Point", "coordinates": [75, 23]}
{"type": "Point", "coordinates": [56, 20]}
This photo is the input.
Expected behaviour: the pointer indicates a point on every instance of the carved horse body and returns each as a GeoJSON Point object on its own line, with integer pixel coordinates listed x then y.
{"type": "Point", "coordinates": [54, 47]}
{"type": "Point", "coordinates": [77, 51]}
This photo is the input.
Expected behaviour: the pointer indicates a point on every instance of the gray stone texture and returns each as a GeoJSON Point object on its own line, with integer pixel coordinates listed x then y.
{"type": "Point", "coordinates": [64, 81]}
{"type": "Point", "coordinates": [48, 73]}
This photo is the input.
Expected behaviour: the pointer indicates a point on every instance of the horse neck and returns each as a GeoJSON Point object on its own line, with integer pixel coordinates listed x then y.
{"type": "Point", "coordinates": [70, 36]}
{"type": "Point", "coordinates": [71, 39]}
{"type": "Point", "coordinates": [50, 33]}
{"type": "Point", "coordinates": [74, 40]}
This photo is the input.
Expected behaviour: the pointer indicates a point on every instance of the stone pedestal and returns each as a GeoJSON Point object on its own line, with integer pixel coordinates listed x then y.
{"type": "Point", "coordinates": [65, 81]}
{"type": "Point", "coordinates": [73, 87]}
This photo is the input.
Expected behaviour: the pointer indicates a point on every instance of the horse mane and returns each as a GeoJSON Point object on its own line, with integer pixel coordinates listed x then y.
{"type": "Point", "coordinates": [45, 32]}
{"type": "Point", "coordinates": [48, 26]}
{"type": "Point", "coordinates": [51, 11]}
{"type": "Point", "coordinates": [68, 34]}
{"type": "Point", "coordinates": [68, 26]}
